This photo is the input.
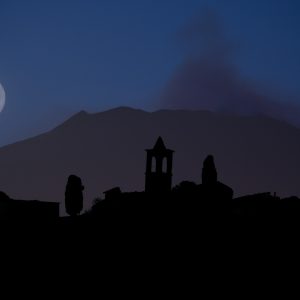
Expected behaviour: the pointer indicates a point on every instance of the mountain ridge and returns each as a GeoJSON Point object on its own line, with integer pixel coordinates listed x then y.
{"type": "Point", "coordinates": [106, 149]}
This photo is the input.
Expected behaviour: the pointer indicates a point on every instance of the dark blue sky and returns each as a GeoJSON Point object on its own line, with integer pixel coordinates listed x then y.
{"type": "Point", "coordinates": [59, 57]}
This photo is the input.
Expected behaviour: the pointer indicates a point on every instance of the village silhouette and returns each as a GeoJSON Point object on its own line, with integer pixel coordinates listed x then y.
{"type": "Point", "coordinates": [209, 199]}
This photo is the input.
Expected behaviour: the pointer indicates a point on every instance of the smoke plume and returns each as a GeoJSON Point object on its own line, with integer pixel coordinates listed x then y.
{"type": "Point", "coordinates": [209, 79]}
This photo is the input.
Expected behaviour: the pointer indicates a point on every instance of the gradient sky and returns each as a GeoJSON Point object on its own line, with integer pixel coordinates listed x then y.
{"type": "Point", "coordinates": [60, 57]}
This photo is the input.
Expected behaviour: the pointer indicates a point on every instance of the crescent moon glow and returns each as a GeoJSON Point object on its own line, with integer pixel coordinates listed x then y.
{"type": "Point", "coordinates": [2, 98]}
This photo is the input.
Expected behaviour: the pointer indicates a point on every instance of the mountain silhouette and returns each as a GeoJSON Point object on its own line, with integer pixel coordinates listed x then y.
{"type": "Point", "coordinates": [107, 149]}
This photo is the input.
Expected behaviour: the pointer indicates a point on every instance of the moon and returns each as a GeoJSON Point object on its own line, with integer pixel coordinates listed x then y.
{"type": "Point", "coordinates": [2, 98]}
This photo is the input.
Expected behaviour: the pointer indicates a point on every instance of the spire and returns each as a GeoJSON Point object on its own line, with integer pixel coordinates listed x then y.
{"type": "Point", "coordinates": [159, 146]}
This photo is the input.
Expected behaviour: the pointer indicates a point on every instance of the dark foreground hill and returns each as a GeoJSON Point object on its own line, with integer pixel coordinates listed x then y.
{"type": "Point", "coordinates": [252, 154]}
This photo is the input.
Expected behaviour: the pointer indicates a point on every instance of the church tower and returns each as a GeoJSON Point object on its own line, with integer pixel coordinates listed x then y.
{"type": "Point", "coordinates": [159, 168]}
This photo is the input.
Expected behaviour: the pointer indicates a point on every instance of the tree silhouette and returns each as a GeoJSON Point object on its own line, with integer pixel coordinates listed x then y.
{"type": "Point", "coordinates": [74, 196]}
{"type": "Point", "coordinates": [209, 172]}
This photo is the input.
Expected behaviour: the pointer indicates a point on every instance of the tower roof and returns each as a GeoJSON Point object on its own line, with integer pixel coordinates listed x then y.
{"type": "Point", "coordinates": [159, 146]}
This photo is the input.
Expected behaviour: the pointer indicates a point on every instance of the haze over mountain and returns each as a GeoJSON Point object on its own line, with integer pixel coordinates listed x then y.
{"type": "Point", "coordinates": [106, 149]}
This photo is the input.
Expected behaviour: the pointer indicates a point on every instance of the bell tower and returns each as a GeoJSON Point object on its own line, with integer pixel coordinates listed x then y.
{"type": "Point", "coordinates": [159, 168]}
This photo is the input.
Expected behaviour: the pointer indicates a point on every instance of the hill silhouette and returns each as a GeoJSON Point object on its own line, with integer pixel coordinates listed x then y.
{"type": "Point", "coordinates": [254, 154]}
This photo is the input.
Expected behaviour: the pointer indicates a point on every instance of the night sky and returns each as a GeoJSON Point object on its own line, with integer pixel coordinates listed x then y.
{"type": "Point", "coordinates": [60, 57]}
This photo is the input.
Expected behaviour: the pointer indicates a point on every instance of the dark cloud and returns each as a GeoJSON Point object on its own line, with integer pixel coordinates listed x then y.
{"type": "Point", "coordinates": [209, 78]}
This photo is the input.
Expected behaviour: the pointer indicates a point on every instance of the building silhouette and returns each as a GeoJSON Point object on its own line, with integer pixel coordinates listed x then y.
{"type": "Point", "coordinates": [27, 210]}
{"type": "Point", "coordinates": [190, 200]}
{"type": "Point", "coordinates": [159, 168]}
